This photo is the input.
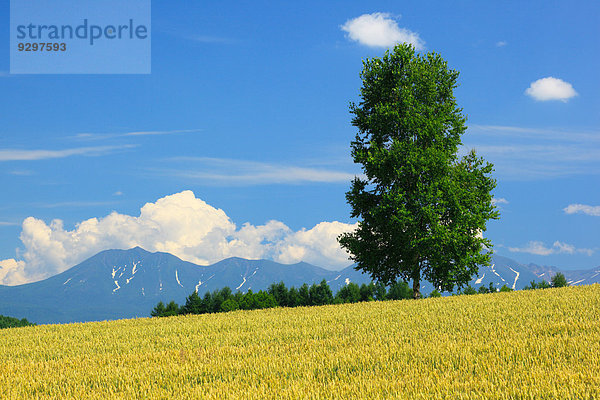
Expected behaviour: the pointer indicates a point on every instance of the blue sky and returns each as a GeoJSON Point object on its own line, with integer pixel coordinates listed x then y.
{"type": "Point", "coordinates": [247, 107]}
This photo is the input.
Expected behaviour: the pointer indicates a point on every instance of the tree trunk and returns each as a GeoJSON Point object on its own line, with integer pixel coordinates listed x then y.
{"type": "Point", "coordinates": [417, 284]}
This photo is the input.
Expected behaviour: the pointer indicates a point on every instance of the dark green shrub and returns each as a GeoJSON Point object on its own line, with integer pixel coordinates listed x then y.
{"type": "Point", "coordinates": [229, 305]}
{"type": "Point", "coordinates": [559, 280]}
{"type": "Point", "coordinates": [11, 322]}
{"type": "Point", "coordinates": [469, 290]}
{"type": "Point", "coordinates": [505, 288]}
{"type": "Point", "coordinates": [349, 293]}
{"type": "Point", "coordinates": [281, 294]}
{"type": "Point", "coordinates": [400, 291]}
{"type": "Point", "coordinates": [367, 292]}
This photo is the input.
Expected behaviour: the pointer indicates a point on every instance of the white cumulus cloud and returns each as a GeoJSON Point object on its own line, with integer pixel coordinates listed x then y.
{"type": "Point", "coordinates": [540, 249]}
{"type": "Point", "coordinates": [180, 224]}
{"type": "Point", "coordinates": [551, 89]}
{"type": "Point", "coordinates": [12, 271]}
{"type": "Point", "coordinates": [582, 208]}
{"type": "Point", "coordinates": [380, 30]}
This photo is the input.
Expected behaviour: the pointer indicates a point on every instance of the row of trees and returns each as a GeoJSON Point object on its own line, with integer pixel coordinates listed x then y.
{"type": "Point", "coordinates": [10, 322]}
{"type": "Point", "coordinates": [558, 280]}
{"type": "Point", "coordinates": [278, 295]}
{"type": "Point", "coordinates": [222, 300]}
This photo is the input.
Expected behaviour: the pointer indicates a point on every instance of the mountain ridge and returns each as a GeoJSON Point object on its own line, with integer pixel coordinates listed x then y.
{"type": "Point", "coordinates": [116, 283]}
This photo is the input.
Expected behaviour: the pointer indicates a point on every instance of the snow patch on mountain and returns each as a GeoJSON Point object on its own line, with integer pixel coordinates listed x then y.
{"type": "Point", "coordinates": [478, 281]}
{"type": "Point", "coordinates": [497, 274]}
{"type": "Point", "coordinates": [177, 279]}
{"type": "Point", "coordinates": [241, 284]}
{"type": "Point", "coordinates": [117, 288]}
{"type": "Point", "coordinates": [516, 277]}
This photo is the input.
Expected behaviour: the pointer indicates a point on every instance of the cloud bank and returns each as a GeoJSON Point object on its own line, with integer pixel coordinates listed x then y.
{"type": "Point", "coordinates": [550, 88]}
{"type": "Point", "coordinates": [582, 208]}
{"type": "Point", "coordinates": [380, 30]}
{"type": "Point", "coordinates": [540, 249]}
{"type": "Point", "coordinates": [180, 224]}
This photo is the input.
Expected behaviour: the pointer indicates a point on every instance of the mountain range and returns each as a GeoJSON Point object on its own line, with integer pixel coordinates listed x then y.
{"type": "Point", "coordinates": [117, 284]}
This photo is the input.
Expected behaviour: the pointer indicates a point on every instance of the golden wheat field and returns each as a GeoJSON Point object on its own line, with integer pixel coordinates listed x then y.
{"type": "Point", "coordinates": [542, 344]}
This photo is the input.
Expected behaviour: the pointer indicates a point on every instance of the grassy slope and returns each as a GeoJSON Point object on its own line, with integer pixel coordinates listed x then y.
{"type": "Point", "coordinates": [529, 344]}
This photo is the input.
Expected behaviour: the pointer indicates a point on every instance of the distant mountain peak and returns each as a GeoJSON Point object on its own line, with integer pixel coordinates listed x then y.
{"type": "Point", "coordinates": [139, 249]}
{"type": "Point", "coordinates": [234, 258]}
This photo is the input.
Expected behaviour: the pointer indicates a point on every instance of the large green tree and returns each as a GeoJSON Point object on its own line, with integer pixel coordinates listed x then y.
{"type": "Point", "coordinates": [421, 207]}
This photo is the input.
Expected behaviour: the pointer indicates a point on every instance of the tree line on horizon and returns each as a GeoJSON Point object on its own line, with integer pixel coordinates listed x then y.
{"type": "Point", "coordinates": [11, 322]}
{"type": "Point", "coordinates": [278, 295]}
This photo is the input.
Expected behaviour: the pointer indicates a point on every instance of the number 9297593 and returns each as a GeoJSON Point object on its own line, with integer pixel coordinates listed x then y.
{"type": "Point", "coordinates": [26, 46]}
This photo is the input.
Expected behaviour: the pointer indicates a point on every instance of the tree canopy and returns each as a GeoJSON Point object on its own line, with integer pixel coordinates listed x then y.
{"type": "Point", "coordinates": [421, 208]}
{"type": "Point", "coordinates": [559, 280]}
